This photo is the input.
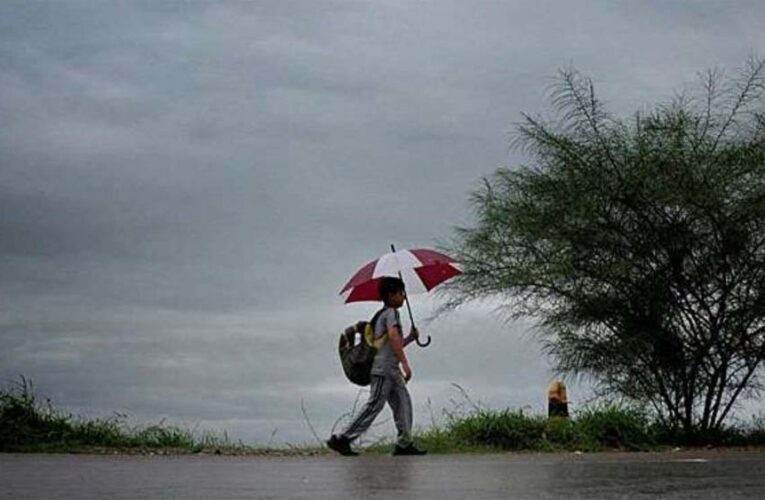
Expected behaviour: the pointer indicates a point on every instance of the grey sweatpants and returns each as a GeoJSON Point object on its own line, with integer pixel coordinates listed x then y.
{"type": "Point", "coordinates": [390, 389]}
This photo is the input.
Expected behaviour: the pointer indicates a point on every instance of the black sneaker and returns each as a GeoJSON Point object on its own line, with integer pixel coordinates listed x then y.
{"type": "Point", "coordinates": [341, 445]}
{"type": "Point", "coordinates": [408, 450]}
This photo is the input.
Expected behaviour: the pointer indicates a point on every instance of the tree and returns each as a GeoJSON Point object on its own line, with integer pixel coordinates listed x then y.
{"type": "Point", "coordinates": [639, 244]}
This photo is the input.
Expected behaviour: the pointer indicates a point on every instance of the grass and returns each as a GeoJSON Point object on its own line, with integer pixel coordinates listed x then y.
{"type": "Point", "coordinates": [30, 425]}
{"type": "Point", "coordinates": [604, 427]}
{"type": "Point", "coordinates": [482, 430]}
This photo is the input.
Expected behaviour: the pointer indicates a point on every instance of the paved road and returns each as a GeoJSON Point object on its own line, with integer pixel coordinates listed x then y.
{"type": "Point", "coordinates": [693, 474]}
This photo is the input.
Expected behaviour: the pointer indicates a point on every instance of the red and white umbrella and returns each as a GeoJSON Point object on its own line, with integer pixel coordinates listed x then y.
{"type": "Point", "coordinates": [421, 269]}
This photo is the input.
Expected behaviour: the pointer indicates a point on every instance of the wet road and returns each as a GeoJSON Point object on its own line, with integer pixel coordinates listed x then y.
{"type": "Point", "coordinates": [692, 474]}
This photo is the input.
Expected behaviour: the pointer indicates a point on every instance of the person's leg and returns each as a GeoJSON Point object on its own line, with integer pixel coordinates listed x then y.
{"type": "Point", "coordinates": [401, 404]}
{"type": "Point", "coordinates": [378, 394]}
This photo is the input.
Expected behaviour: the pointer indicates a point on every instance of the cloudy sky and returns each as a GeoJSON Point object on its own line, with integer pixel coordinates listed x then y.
{"type": "Point", "coordinates": [185, 186]}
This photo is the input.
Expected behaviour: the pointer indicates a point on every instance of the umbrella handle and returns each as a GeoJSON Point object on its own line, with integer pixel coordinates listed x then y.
{"type": "Point", "coordinates": [409, 308]}
{"type": "Point", "coordinates": [411, 318]}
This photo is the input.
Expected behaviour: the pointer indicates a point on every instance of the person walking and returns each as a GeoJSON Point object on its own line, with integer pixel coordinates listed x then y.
{"type": "Point", "coordinates": [390, 373]}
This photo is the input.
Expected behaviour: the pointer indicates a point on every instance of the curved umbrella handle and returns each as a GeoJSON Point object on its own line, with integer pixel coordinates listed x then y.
{"type": "Point", "coordinates": [423, 344]}
{"type": "Point", "coordinates": [408, 307]}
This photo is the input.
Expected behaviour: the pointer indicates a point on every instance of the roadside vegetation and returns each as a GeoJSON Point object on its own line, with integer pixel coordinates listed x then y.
{"type": "Point", "coordinates": [28, 424]}
{"type": "Point", "coordinates": [606, 427]}
{"type": "Point", "coordinates": [635, 244]}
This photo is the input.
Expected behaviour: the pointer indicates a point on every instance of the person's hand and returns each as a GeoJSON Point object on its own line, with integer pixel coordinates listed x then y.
{"type": "Point", "coordinates": [414, 333]}
{"type": "Point", "coordinates": [407, 372]}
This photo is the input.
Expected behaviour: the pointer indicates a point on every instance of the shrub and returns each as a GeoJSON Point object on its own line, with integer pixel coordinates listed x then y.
{"type": "Point", "coordinates": [27, 424]}
{"type": "Point", "coordinates": [505, 429]}
{"type": "Point", "coordinates": [23, 420]}
{"type": "Point", "coordinates": [561, 432]}
{"type": "Point", "coordinates": [614, 426]}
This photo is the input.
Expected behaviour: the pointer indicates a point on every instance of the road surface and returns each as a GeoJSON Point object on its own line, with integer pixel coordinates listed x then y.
{"type": "Point", "coordinates": [684, 474]}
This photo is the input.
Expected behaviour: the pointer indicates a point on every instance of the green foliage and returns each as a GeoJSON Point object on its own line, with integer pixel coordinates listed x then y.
{"type": "Point", "coordinates": [561, 433]}
{"type": "Point", "coordinates": [743, 433]}
{"type": "Point", "coordinates": [504, 429]}
{"type": "Point", "coordinates": [615, 426]}
{"type": "Point", "coordinates": [604, 427]}
{"type": "Point", "coordinates": [27, 424]}
{"type": "Point", "coordinates": [99, 432]}
{"type": "Point", "coordinates": [754, 431]}
{"type": "Point", "coordinates": [158, 436]}
{"type": "Point", "coordinates": [23, 419]}
{"type": "Point", "coordinates": [638, 244]}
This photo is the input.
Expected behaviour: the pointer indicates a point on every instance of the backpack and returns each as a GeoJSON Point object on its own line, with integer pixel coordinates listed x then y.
{"type": "Point", "coordinates": [357, 359]}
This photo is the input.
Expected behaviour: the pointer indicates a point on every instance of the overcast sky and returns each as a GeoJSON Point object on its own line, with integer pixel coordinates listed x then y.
{"type": "Point", "coordinates": [185, 186]}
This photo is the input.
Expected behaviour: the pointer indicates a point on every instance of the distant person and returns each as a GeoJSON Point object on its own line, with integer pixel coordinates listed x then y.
{"type": "Point", "coordinates": [557, 400]}
{"type": "Point", "coordinates": [388, 382]}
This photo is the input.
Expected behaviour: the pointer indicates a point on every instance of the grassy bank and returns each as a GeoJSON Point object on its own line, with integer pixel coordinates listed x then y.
{"type": "Point", "coordinates": [30, 425]}
{"type": "Point", "coordinates": [601, 428]}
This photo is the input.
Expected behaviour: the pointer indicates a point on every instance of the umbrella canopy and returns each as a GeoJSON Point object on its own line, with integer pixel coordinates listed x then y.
{"type": "Point", "coordinates": [421, 269]}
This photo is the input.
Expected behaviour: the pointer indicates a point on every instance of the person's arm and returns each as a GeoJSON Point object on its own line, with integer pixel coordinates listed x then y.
{"type": "Point", "coordinates": [397, 344]}
{"type": "Point", "coordinates": [413, 335]}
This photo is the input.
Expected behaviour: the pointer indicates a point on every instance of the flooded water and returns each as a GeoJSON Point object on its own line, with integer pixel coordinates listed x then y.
{"type": "Point", "coordinates": [695, 474]}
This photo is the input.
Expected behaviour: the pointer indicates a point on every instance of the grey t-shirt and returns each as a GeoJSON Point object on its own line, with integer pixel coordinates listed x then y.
{"type": "Point", "coordinates": [386, 362]}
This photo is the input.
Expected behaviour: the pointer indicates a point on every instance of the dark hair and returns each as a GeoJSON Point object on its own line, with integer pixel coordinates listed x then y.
{"type": "Point", "coordinates": [388, 286]}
